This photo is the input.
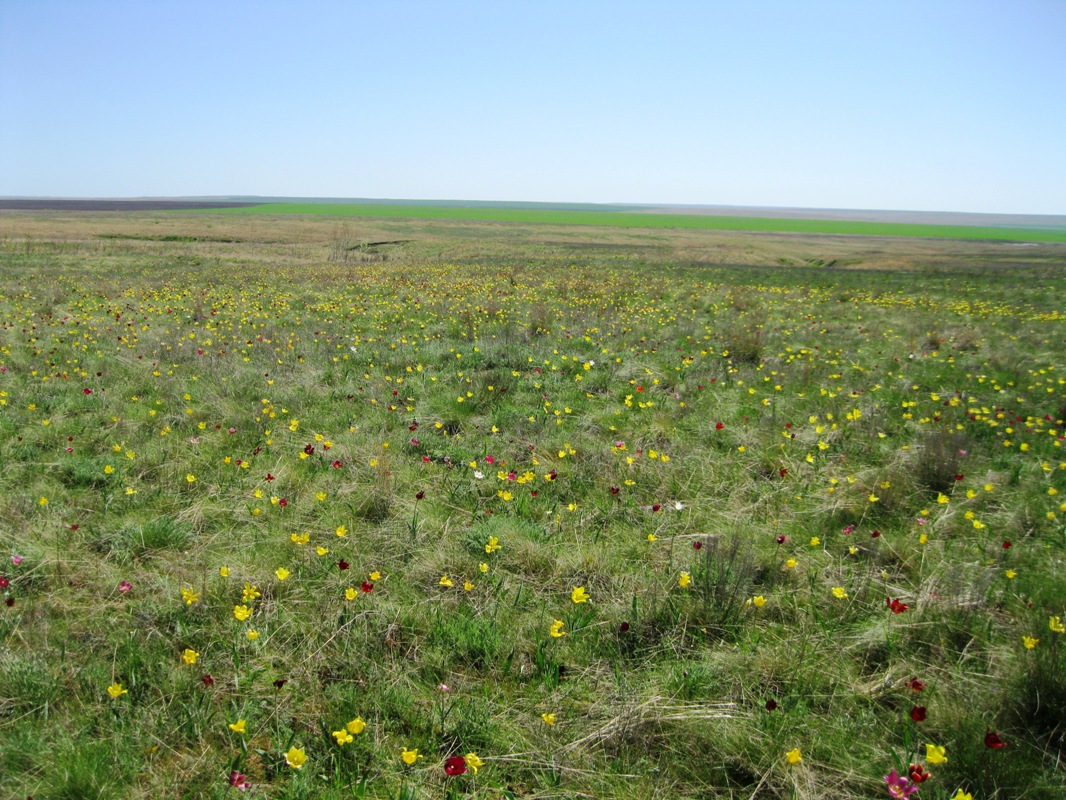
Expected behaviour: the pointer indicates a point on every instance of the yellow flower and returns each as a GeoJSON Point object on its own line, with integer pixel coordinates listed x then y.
{"type": "Point", "coordinates": [815, 541]}
{"type": "Point", "coordinates": [240, 726]}
{"type": "Point", "coordinates": [684, 580]}
{"type": "Point", "coordinates": [322, 550]}
{"type": "Point", "coordinates": [445, 581]}
{"type": "Point", "coordinates": [42, 502]}
{"type": "Point", "coordinates": [483, 567]}
{"type": "Point", "coordinates": [840, 593]}
{"type": "Point", "coordinates": [794, 756]}
{"type": "Point", "coordinates": [241, 613]}
{"type": "Point", "coordinates": [556, 629]}
{"type": "Point", "coordinates": [223, 571]}
{"type": "Point", "coordinates": [116, 691]}
{"type": "Point", "coordinates": [473, 762]}
{"type": "Point", "coordinates": [341, 531]}
{"type": "Point", "coordinates": [282, 573]}
{"type": "Point", "coordinates": [549, 719]}
{"type": "Point", "coordinates": [791, 563]}
{"type": "Point", "coordinates": [961, 795]}
{"type": "Point", "coordinates": [935, 754]}
{"type": "Point", "coordinates": [375, 576]}
{"type": "Point", "coordinates": [296, 757]}
{"type": "Point", "coordinates": [1055, 623]}
{"type": "Point", "coordinates": [1011, 574]}
{"type": "Point", "coordinates": [350, 593]}
{"type": "Point", "coordinates": [190, 478]}
{"type": "Point", "coordinates": [189, 656]}
{"type": "Point", "coordinates": [342, 736]}
{"type": "Point", "coordinates": [467, 586]}
{"type": "Point", "coordinates": [300, 538]}
{"type": "Point", "coordinates": [356, 726]}
{"type": "Point", "coordinates": [493, 545]}
{"type": "Point", "coordinates": [1029, 642]}
{"type": "Point", "coordinates": [579, 595]}
{"type": "Point", "coordinates": [652, 537]}
{"type": "Point", "coordinates": [758, 601]}
{"type": "Point", "coordinates": [409, 757]}
{"type": "Point", "coordinates": [188, 595]}
{"type": "Point", "coordinates": [252, 634]}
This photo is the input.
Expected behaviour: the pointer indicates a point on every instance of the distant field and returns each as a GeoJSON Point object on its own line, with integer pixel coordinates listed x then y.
{"type": "Point", "coordinates": [632, 220]}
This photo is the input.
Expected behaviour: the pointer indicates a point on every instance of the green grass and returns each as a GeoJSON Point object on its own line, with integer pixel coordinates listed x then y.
{"type": "Point", "coordinates": [651, 220]}
{"type": "Point", "coordinates": [191, 424]}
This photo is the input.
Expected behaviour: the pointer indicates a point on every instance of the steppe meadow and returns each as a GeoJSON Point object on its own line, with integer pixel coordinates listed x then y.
{"type": "Point", "coordinates": [311, 507]}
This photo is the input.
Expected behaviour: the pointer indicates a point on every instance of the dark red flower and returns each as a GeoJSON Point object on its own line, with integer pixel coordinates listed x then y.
{"type": "Point", "coordinates": [624, 627]}
{"type": "Point", "coordinates": [280, 682]}
{"type": "Point", "coordinates": [917, 773]}
{"type": "Point", "coordinates": [9, 602]}
{"type": "Point", "coordinates": [456, 765]}
{"type": "Point", "coordinates": [309, 449]}
{"type": "Point", "coordinates": [993, 741]}
{"type": "Point", "coordinates": [207, 680]}
{"type": "Point", "coordinates": [895, 606]}
{"type": "Point", "coordinates": [283, 502]}
{"type": "Point", "coordinates": [771, 705]}
{"type": "Point", "coordinates": [342, 565]}
{"type": "Point", "coordinates": [268, 478]}
{"type": "Point", "coordinates": [656, 507]}
{"type": "Point", "coordinates": [4, 582]}
{"type": "Point", "coordinates": [875, 534]}
{"type": "Point", "coordinates": [337, 464]}
{"type": "Point", "coordinates": [916, 684]}
{"type": "Point", "coordinates": [719, 426]}
{"type": "Point", "coordinates": [615, 490]}
{"type": "Point", "coordinates": [238, 780]}
{"type": "Point", "coordinates": [1007, 544]}
{"type": "Point", "coordinates": [783, 472]}
{"type": "Point", "coordinates": [419, 495]}
{"type": "Point", "coordinates": [87, 391]}
{"type": "Point", "coordinates": [781, 539]}
{"type": "Point", "coordinates": [367, 587]}
{"type": "Point", "coordinates": [918, 713]}
{"type": "Point", "coordinates": [697, 545]}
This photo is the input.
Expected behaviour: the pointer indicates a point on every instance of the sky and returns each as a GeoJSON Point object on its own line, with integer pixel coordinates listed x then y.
{"type": "Point", "coordinates": [880, 104]}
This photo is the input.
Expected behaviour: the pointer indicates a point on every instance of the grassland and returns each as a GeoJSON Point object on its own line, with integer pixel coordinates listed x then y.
{"type": "Point", "coordinates": [649, 220]}
{"type": "Point", "coordinates": [274, 483]}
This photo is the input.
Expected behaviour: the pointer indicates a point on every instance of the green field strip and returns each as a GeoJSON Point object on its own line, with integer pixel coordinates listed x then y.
{"type": "Point", "coordinates": [631, 220]}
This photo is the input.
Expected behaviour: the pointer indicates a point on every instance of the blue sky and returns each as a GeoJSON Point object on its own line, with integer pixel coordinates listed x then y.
{"type": "Point", "coordinates": [950, 106]}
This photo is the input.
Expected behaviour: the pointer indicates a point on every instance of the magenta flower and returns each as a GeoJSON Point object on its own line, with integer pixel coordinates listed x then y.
{"type": "Point", "coordinates": [238, 780]}
{"type": "Point", "coordinates": [125, 586]}
{"type": "Point", "coordinates": [899, 788]}
{"type": "Point", "coordinates": [16, 560]}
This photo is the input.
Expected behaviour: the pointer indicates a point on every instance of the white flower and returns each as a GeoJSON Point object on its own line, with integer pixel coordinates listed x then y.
{"type": "Point", "coordinates": [679, 506]}
{"type": "Point", "coordinates": [479, 474]}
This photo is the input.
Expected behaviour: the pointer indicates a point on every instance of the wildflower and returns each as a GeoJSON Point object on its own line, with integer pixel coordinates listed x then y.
{"type": "Point", "coordinates": [895, 606]}
{"type": "Point", "coordinates": [1029, 642]}
{"type": "Point", "coordinates": [375, 576]}
{"type": "Point", "coordinates": [367, 587]}
{"type": "Point", "coordinates": [241, 613]}
{"type": "Point", "coordinates": [239, 781]}
{"type": "Point", "coordinates": [917, 773]}
{"type": "Point", "coordinates": [190, 478]}
{"type": "Point", "coordinates": [282, 573]}
{"type": "Point", "coordinates": [918, 713]}
{"type": "Point", "coordinates": [207, 680]}
{"type": "Point", "coordinates": [899, 788]}
{"type": "Point", "coordinates": [188, 595]}
{"type": "Point", "coordinates": [249, 593]}
{"type": "Point", "coordinates": [652, 537]}
{"type": "Point", "coordinates": [684, 580]}
{"type": "Point", "coordinates": [467, 586]}
{"type": "Point", "coordinates": [961, 795]}
{"type": "Point", "coordinates": [251, 634]}
{"type": "Point", "coordinates": [1011, 574]}
{"type": "Point", "coordinates": [240, 726]}
{"type": "Point", "coordinates": [456, 765]}
{"type": "Point", "coordinates": [445, 581]}
{"type": "Point", "coordinates": [341, 531]}
{"type": "Point", "coordinates": [758, 601]}
{"type": "Point", "coordinates": [483, 567]}
{"type": "Point", "coordinates": [493, 545]}
{"type": "Point", "coordinates": [16, 560]}
{"type": "Point", "coordinates": [350, 593]}
{"type": "Point", "coordinates": [549, 719]}
{"type": "Point", "coordinates": [223, 571]}
{"type": "Point", "coordinates": [296, 757]}
{"type": "Point", "coordinates": [794, 756]}
{"type": "Point", "coordinates": [556, 629]}
{"type": "Point", "coordinates": [116, 691]}
{"type": "Point", "coordinates": [189, 656]}
{"type": "Point", "coordinates": [915, 684]}
{"type": "Point", "coordinates": [1055, 623]}
{"type": "Point", "coordinates": [342, 736]}
{"type": "Point", "coordinates": [935, 754]}
{"type": "Point", "coordinates": [125, 586]}
{"type": "Point", "coordinates": [791, 563]}
{"type": "Point", "coordinates": [993, 741]}
{"type": "Point", "coordinates": [322, 551]}
{"type": "Point", "coordinates": [579, 595]}
{"type": "Point", "coordinates": [474, 762]}
{"type": "Point", "coordinates": [815, 541]}
{"type": "Point", "coordinates": [356, 726]}
{"type": "Point", "coordinates": [409, 757]}
{"type": "Point", "coordinates": [840, 593]}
